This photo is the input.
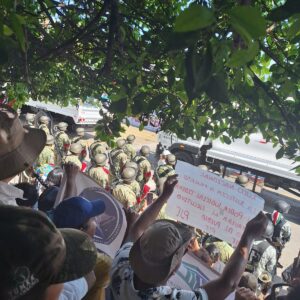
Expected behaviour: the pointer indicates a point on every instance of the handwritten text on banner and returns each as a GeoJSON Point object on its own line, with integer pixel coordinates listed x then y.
{"type": "Point", "coordinates": [211, 203]}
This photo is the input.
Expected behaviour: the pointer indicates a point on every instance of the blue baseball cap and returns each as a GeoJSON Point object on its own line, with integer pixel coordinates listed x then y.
{"type": "Point", "coordinates": [76, 211]}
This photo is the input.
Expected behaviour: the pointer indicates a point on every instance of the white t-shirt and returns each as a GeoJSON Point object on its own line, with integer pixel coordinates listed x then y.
{"type": "Point", "coordinates": [74, 290]}
{"type": "Point", "coordinates": [122, 286]}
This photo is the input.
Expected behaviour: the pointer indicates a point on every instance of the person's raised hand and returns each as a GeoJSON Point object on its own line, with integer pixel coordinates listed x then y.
{"type": "Point", "coordinates": [256, 227]}
{"type": "Point", "coordinates": [169, 186]}
{"type": "Point", "coordinates": [245, 294]}
{"type": "Point", "coordinates": [71, 170]}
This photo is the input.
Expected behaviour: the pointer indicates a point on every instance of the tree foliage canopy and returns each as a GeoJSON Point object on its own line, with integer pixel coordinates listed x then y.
{"type": "Point", "coordinates": [218, 68]}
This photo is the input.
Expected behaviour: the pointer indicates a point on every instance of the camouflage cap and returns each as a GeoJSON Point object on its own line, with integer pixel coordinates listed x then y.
{"type": "Point", "coordinates": [203, 167]}
{"type": "Point", "coordinates": [76, 148]}
{"type": "Point", "coordinates": [242, 180]}
{"type": "Point", "coordinates": [39, 254]}
{"type": "Point", "coordinates": [128, 174]}
{"type": "Point", "coordinates": [100, 159]}
{"type": "Point", "coordinates": [50, 140]}
{"type": "Point", "coordinates": [145, 150]}
{"type": "Point", "coordinates": [44, 119]}
{"type": "Point", "coordinates": [131, 164]}
{"type": "Point", "coordinates": [120, 143]}
{"type": "Point", "coordinates": [62, 125]}
{"type": "Point", "coordinates": [80, 131]}
{"type": "Point", "coordinates": [171, 159]}
{"type": "Point", "coordinates": [29, 117]}
{"type": "Point", "coordinates": [130, 138]}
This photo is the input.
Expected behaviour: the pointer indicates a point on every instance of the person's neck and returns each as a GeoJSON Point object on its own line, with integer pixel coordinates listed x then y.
{"type": "Point", "coordinates": [141, 286]}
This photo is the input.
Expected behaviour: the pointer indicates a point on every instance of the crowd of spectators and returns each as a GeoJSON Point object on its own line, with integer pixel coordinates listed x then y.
{"type": "Point", "coordinates": [48, 253]}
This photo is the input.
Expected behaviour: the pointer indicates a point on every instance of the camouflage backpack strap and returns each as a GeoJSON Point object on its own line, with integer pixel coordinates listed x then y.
{"type": "Point", "coordinates": [59, 134]}
{"type": "Point", "coordinates": [165, 172]}
{"type": "Point", "coordinates": [138, 159]}
{"type": "Point", "coordinates": [116, 153]}
{"type": "Point", "coordinates": [76, 140]}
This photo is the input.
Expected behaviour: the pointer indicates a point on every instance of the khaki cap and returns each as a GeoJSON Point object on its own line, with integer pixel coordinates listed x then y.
{"type": "Point", "coordinates": [76, 148]}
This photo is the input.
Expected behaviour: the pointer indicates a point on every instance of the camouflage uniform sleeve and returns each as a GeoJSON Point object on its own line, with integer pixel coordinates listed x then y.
{"type": "Point", "coordinates": [125, 195]}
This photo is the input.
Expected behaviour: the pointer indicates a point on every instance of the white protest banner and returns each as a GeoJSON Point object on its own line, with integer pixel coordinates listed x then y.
{"type": "Point", "coordinates": [111, 225]}
{"type": "Point", "coordinates": [211, 203]}
{"type": "Point", "coordinates": [192, 274]}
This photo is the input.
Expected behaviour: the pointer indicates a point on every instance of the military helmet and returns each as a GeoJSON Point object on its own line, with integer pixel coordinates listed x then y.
{"type": "Point", "coordinates": [80, 131]}
{"type": "Point", "coordinates": [50, 140]}
{"type": "Point", "coordinates": [130, 138]}
{"type": "Point", "coordinates": [76, 148]}
{"type": "Point", "coordinates": [242, 180]}
{"type": "Point", "coordinates": [203, 167]}
{"type": "Point", "coordinates": [62, 125]}
{"type": "Point", "coordinates": [282, 206]}
{"type": "Point", "coordinates": [145, 150]}
{"type": "Point", "coordinates": [100, 159]}
{"type": "Point", "coordinates": [128, 174]}
{"type": "Point", "coordinates": [120, 143]}
{"type": "Point", "coordinates": [131, 164]}
{"type": "Point", "coordinates": [171, 159]}
{"type": "Point", "coordinates": [29, 117]}
{"type": "Point", "coordinates": [269, 230]}
{"type": "Point", "coordinates": [44, 119]}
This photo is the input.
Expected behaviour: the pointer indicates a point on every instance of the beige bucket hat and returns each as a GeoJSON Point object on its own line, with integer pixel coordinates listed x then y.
{"type": "Point", "coordinates": [19, 146]}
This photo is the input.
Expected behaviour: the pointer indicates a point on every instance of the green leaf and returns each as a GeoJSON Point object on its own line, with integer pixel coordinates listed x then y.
{"type": "Point", "coordinates": [193, 18]}
{"type": "Point", "coordinates": [7, 31]}
{"type": "Point", "coordinates": [289, 8]}
{"type": "Point", "coordinates": [280, 153]}
{"type": "Point", "coordinates": [247, 139]}
{"type": "Point", "coordinates": [141, 127]}
{"type": "Point", "coordinates": [248, 22]}
{"type": "Point", "coordinates": [16, 24]}
{"type": "Point", "coordinates": [216, 89]}
{"type": "Point", "coordinates": [294, 30]}
{"type": "Point", "coordinates": [119, 106]}
{"type": "Point", "coordinates": [226, 139]}
{"type": "Point", "coordinates": [243, 56]}
{"type": "Point", "coordinates": [155, 101]}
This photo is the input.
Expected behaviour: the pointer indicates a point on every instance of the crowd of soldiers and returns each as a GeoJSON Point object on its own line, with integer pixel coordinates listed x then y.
{"type": "Point", "coordinates": [128, 175]}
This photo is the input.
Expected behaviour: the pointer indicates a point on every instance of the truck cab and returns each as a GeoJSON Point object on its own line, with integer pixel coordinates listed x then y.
{"type": "Point", "coordinates": [258, 157]}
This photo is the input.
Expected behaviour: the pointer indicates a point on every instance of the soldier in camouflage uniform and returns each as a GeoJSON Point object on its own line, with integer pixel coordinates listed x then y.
{"type": "Point", "coordinates": [79, 138]}
{"type": "Point", "coordinates": [134, 184]}
{"type": "Point", "coordinates": [62, 139]}
{"type": "Point", "coordinates": [123, 191]}
{"type": "Point", "coordinates": [282, 228]}
{"type": "Point", "coordinates": [128, 148]}
{"type": "Point", "coordinates": [118, 157]}
{"type": "Point", "coordinates": [30, 120]}
{"type": "Point", "coordinates": [164, 171]}
{"type": "Point", "coordinates": [99, 172]}
{"type": "Point", "coordinates": [44, 122]}
{"type": "Point", "coordinates": [144, 171]}
{"type": "Point", "coordinates": [47, 156]}
{"type": "Point", "coordinates": [98, 147]}
{"type": "Point", "coordinates": [262, 256]}
{"type": "Point", "coordinates": [73, 157]}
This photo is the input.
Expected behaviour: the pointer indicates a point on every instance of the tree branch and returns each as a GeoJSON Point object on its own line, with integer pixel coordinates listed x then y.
{"type": "Point", "coordinates": [77, 36]}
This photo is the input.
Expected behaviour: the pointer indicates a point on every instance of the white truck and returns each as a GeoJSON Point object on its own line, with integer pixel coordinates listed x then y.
{"type": "Point", "coordinates": [258, 157]}
{"type": "Point", "coordinates": [79, 113]}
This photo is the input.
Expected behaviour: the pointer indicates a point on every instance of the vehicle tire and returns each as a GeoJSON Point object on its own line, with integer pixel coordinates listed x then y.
{"type": "Point", "coordinates": [184, 156]}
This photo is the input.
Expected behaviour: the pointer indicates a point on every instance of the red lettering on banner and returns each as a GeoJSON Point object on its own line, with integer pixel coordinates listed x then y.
{"type": "Point", "coordinates": [191, 202]}
{"type": "Point", "coordinates": [246, 193]}
{"type": "Point", "coordinates": [232, 211]}
{"type": "Point", "coordinates": [211, 221]}
{"type": "Point", "coordinates": [182, 213]}
{"type": "Point", "coordinates": [208, 200]}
